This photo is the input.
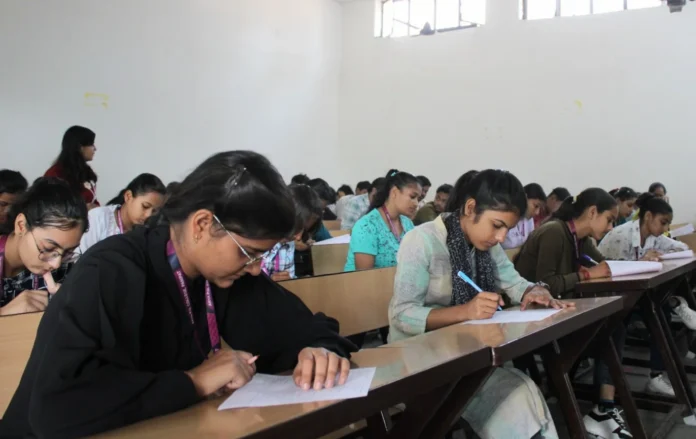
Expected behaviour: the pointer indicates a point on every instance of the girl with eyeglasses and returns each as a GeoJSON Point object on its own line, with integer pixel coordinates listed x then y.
{"type": "Point", "coordinates": [138, 327]}
{"type": "Point", "coordinates": [36, 244]}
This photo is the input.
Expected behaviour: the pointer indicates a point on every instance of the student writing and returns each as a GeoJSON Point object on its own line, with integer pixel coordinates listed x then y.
{"type": "Point", "coordinates": [279, 263]}
{"type": "Point", "coordinates": [553, 202]}
{"type": "Point", "coordinates": [626, 198]}
{"type": "Point", "coordinates": [12, 186]}
{"type": "Point", "coordinates": [375, 238]}
{"type": "Point", "coordinates": [359, 205]}
{"type": "Point", "coordinates": [428, 295]}
{"type": "Point", "coordinates": [129, 336]}
{"type": "Point", "coordinates": [434, 208]}
{"type": "Point", "coordinates": [133, 206]}
{"type": "Point", "coordinates": [536, 198]}
{"type": "Point", "coordinates": [555, 254]}
{"type": "Point", "coordinates": [42, 231]}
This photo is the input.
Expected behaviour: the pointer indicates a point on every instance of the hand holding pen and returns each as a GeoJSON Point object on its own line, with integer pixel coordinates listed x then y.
{"type": "Point", "coordinates": [483, 305]}
{"type": "Point", "coordinates": [597, 271]}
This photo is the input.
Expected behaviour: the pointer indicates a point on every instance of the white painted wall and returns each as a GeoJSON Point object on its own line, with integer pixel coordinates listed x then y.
{"type": "Point", "coordinates": [604, 100]}
{"type": "Point", "coordinates": [184, 79]}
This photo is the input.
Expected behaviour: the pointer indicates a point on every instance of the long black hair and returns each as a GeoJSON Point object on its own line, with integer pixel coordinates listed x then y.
{"type": "Point", "coordinates": [394, 178]}
{"type": "Point", "coordinates": [346, 190]}
{"type": "Point", "coordinates": [492, 189]}
{"type": "Point", "coordinates": [49, 202]}
{"type": "Point", "coordinates": [143, 184]}
{"type": "Point", "coordinates": [71, 160]}
{"type": "Point", "coordinates": [454, 203]}
{"type": "Point", "coordinates": [573, 208]}
{"type": "Point", "coordinates": [12, 182]}
{"type": "Point", "coordinates": [307, 205]}
{"type": "Point", "coordinates": [322, 188]}
{"type": "Point", "coordinates": [624, 193]}
{"type": "Point", "coordinates": [243, 189]}
{"type": "Point", "coordinates": [655, 186]}
{"type": "Point", "coordinates": [560, 193]}
{"type": "Point", "coordinates": [648, 202]}
{"type": "Point", "coordinates": [534, 191]}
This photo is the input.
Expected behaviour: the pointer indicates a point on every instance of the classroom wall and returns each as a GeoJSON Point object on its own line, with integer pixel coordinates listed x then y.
{"type": "Point", "coordinates": [183, 79]}
{"type": "Point", "coordinates": [603, 100]}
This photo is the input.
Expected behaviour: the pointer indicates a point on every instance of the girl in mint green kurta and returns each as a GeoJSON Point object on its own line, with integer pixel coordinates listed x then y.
{"type": "Point", "coordinates": [372, 236]}
{"type": "Point", "coordinates": [376, 237]}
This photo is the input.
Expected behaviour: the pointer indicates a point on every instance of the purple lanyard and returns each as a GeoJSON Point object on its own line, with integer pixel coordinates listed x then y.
{"type": "Point", "coordinates": [3, 242]}
{"type": "Point", "coordinates": [391, 224]}
{"type": "Point", "coordinates": [209, 305]}
{"type": "Point", "coordinates": [119, 220]}
{"type": "Point", "coordinates": [571, 226]}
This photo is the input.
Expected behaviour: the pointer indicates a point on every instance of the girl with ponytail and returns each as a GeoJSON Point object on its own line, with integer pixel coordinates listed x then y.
{"type": "Point", "coordinates": [429, 294]}
{"type": "Point", "coordinates": [376, 236]}
{"type": "Point", "coordinates": [626, 197]}
{"type": "Point", "coordinates": [132, 206]}
{"type": "Point", "coordinates": [562, 253]}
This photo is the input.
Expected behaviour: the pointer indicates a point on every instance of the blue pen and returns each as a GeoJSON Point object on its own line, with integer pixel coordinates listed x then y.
{"type": "Point", "coordinates": [468, 280]}
{"type": "Point", "coordinates": [590, 260]}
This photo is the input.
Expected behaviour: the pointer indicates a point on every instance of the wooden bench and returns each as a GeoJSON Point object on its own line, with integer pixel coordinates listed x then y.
{"type": "Point", "coordinates": [17, 334]}
{"type": "Point", "coordinates": [689, 240]}
{"type": "Point", "coordinates": [359, 300]}
{"type": "Point", "coordinates": [329, 259]}
{"type": "Point", "coordinates": [332, 224]}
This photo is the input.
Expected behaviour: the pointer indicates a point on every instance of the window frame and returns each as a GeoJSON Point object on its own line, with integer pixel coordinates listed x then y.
{"type": "Point", "coordinates": [410, 26]}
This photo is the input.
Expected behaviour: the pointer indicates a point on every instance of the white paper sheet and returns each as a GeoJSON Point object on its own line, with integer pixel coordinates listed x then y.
{"type": "Point", "coordinates": [678, 255]}
{"type": "Point", "coordinates": [627, 268]}
{"type": "Point", "coordinates": [515, 316]}
{"type": "Point", "coordinates": [681, 231]}
{"type": "Point", "coordinates": [343, 239]}
{"type": "Point", "coordinates": [268, 390]}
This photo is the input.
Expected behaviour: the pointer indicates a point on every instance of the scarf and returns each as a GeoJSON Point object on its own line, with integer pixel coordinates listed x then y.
{"type": "Point", "coordinates": [462, 256]}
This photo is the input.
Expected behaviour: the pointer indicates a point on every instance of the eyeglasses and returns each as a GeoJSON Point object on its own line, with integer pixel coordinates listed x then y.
{"type": "Point", "coordinates": [51, 255]}
{"type": "Point", "coordinates": [252, 260]}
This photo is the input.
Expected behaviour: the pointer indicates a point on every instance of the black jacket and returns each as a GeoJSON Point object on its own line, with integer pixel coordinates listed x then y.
{"type": "Point", "coordinates": [113, 344]}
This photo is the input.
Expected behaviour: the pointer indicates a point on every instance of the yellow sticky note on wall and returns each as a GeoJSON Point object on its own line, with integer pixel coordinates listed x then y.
{"type": "Point", "coordinates": [97, 100]}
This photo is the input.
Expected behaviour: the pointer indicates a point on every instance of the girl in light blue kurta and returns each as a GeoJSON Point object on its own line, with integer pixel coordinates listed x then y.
{"type": "Point", "coordinates": [429, 295]}
{"type": "Point", "coordinates": [376, 237]}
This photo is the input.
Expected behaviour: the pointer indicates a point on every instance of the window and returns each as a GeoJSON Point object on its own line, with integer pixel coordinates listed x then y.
{"type": "Point", "coordinates": [539, 9]}
{"type": "Point", "coordinates": [402, 18]}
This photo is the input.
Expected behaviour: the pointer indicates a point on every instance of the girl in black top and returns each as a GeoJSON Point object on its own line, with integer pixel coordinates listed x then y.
{"type": "Point", "coordinates": [137, 328]}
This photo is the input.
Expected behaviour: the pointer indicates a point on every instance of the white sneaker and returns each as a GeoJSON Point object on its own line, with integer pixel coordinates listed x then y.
{"type": "Point", "coordinates": [606, 425]}
{"type": "Point", "coordinates": [660, 385]}
{"type": "Point", "coordinates": [686, 314]}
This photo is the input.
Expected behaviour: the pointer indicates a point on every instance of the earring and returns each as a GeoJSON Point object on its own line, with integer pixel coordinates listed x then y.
{"type": "Point", "coordinates": [195, 239]}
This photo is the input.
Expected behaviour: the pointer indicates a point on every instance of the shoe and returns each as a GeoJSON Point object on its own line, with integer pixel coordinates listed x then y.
{"type": "Point", "coordinates": [606, 425]}
{"type": "Point", "coordinates": [660, 385]}
{"type": "Point", "coordinates": [686, 314]}
{"type": "Point", "coordinates": [690, 355]}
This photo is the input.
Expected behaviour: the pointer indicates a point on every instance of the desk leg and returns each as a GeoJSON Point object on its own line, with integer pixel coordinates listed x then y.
{"type": "Point", "coordinates": [417, 415]}
{"type": "Point", "coordinates": [662, 335]}
{"type": "Point", "coordinates": [613, 360]}
{"type": "Point", "coordinates": [455, 404]}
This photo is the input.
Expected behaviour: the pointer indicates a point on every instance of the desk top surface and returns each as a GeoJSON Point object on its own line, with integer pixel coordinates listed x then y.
{"type": "Point", "coordinates": [639, 282]}
{"type": "Point", "coordinates": [510, 340]}
{"type": "Point", "coordinates": [393, 366]}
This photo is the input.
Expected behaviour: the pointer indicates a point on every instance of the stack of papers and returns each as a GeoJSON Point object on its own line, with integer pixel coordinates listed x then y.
{"type": "Point", "coordinates": [681, 231]}
{"type": "Point", "coordinates": [268, 390]}
{"type": "Point", "coordinates": [678, 255]}
{"type": "Point", "coordinates": [343, 239]}
{"type": "Point", "coordinates": [627, 268]}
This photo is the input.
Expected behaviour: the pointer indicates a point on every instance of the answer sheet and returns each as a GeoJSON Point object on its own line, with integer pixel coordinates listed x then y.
{"type": "Point", "coordinates": [627, 268]}
{"type": "Point", "coordinates": [678, 255]}
{"type": "Point", "coordinates": [343, 239]}
{"type": "Point", "coordinates": [268, 390]}
{"type": "Point", "coordinates": [681, 231]}
{"type": "Point", "coordinates": [515, 316]}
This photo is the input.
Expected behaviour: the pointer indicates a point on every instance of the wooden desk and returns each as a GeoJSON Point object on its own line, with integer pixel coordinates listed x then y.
{"type": "Point", "coordinates": [17, 334]}
{"type": "Point", "coordinates": [344, 297]}
{"type": "Point", "coordinates": [329, 259]}
{"type": "Point", "coordinates": [421, 377]}
{"type": "Point", "coordinates": [562, 338]}
{"type": "Point", "coordinates": [650, 291]}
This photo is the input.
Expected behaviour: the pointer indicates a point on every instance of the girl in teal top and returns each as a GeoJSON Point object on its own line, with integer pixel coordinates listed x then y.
{"type": "Point", "coordinates": [375, 238]}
